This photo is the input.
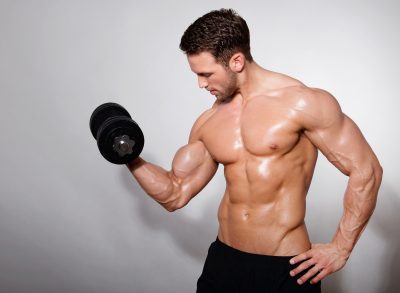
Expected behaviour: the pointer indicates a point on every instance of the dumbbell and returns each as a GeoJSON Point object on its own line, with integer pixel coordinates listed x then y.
{"type": "Point", "coordinates": [119, 138]}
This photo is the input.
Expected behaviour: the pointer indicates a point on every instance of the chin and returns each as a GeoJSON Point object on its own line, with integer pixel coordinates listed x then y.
{"type": "Point", "coordinates": [224, 99]}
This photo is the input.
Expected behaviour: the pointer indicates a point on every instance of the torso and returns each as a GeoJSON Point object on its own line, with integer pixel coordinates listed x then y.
{"type": "Point", "coordinates": [269, 164]}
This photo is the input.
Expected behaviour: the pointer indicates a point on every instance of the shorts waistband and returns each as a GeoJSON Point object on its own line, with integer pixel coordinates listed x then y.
{"type": "Point", "coordinates": [233, 251]}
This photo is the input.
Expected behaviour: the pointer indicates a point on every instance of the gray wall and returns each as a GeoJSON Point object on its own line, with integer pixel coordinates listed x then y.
{"type": "Point", "coordinates": [71, 222]}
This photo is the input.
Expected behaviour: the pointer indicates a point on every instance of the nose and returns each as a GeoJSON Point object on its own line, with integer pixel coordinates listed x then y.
{"type": "Point", "coordinates": [202, 82]}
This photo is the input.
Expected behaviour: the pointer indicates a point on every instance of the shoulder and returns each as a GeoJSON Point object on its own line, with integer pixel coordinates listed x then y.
{"type": "Point", "coordinates": [195, 133]}
{"type": "Point", "coordinates": [314, 106]}
{"type": "Point", "coordinates": [307, 98]}
{"type": "Point", "coordinates": [278, 81]}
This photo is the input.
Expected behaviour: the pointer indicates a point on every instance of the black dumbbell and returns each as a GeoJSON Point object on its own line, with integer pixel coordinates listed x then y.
{"type": "Point", "coordinates": [119, 138]}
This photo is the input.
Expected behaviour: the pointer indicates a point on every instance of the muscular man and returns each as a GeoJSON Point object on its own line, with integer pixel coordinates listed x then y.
{"type": "Point", "coordinates": [265, 128]}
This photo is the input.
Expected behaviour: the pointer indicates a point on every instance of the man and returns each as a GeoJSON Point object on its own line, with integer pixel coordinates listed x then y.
{"type": "Point", "coordinates": [266, 129]}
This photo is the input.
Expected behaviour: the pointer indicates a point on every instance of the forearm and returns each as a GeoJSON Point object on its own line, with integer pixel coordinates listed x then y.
{"type": "Point", "coordinates": [154, 180]}
{"type": "Point", "coordinates": [192, 168]}
{"type": "Point", "coordinates": [359, 203]}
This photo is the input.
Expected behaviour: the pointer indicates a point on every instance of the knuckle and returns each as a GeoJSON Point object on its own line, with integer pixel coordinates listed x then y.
{"type": "Point", "coordinates": [324, 273]}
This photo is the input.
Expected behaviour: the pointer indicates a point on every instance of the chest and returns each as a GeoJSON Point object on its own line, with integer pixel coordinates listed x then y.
{"type": "Point", "coordinates": [258, 128]}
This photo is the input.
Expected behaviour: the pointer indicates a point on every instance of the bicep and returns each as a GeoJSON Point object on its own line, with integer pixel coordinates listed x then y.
{"type": "Point", "coordinates": [193, 160]}
{"type": "Point", "coordinates": [193, 163]}
{"type": "Point", "coordinates": [337, 136]}
{"type": "Point", "coordinates": [342, 143]}
{"type": "Point", "coordinates": [192, 168]}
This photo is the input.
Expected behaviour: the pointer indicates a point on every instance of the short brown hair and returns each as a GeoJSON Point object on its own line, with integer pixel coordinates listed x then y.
{"type": "Point", "coordinates": [221, 32]}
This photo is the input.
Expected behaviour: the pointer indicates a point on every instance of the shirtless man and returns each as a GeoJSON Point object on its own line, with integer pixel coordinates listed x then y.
{"type": "Point", "coordinates": [265, 128]}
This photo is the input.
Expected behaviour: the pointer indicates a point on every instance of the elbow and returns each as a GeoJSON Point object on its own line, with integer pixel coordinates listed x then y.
{"type": "Point", "coordinates": [169, 206]}
{"type": "Point", "coordinates": [378, 174]}
{"type": "Point", "coordinates": [172, 206]}
{"type": "Point", "coordinates": [367, 179]}
{"type": "Point", "coordinates": [171, 209]}
{"type": "Point", "coordinates": [175, 202]}
{"type": "Point", "coordinates": [178, 199]}
{"type": "Point", "coordinates": [377, 180]}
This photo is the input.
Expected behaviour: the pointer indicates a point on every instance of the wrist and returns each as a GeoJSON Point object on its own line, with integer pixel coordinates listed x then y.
{"type": "Point", "coordinates": [343, 248]}
{"type": "Point", "coordinates": [134, 164]}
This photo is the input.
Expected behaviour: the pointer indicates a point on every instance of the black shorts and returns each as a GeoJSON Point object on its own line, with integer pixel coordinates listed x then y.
{"type": "Point", "coordinates": [228, 270]}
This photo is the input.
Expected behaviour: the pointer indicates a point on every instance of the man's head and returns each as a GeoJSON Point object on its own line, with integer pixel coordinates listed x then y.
{"type": "Point", "coordinates": [220, 32]}
{"type": "Point", "coordinates": [217, 46]}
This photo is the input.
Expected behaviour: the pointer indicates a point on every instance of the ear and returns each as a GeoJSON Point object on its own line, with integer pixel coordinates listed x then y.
{"type": "Point", "coordinates": [237, 61]}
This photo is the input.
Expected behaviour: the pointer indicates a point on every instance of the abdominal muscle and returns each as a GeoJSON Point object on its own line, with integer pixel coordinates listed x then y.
{"type": "Point", "coordinates": [265, 215]}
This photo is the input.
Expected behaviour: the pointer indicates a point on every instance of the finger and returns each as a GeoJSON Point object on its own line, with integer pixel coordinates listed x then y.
{"type": "Point", "coordinates": [303, 266]}
{"type": "Point", "coordinates": [310, 273]}
{"type": "Point", "coordinates": [299, 258]}
{"type": "Point", "coordinates": [322, 274]}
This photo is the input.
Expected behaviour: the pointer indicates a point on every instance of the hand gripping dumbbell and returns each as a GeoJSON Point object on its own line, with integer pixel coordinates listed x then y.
{"type": "Point", "coordinates": [119, 138]}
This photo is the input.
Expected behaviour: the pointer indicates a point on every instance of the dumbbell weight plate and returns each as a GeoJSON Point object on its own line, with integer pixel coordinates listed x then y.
{"type": "Point", "coordinates": [116, 130]}
{"type": "Point", "coordinates": [104, 111]}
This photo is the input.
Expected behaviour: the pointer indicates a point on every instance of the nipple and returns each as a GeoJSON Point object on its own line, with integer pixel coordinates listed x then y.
{"type": "Point", "coordinates": [273, 146]}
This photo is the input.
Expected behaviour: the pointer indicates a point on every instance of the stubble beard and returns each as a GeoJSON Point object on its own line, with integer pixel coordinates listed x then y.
{"type": "Point", "coordinates": [230, 88]}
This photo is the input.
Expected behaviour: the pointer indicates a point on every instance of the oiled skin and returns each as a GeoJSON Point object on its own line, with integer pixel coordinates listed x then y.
{"type": "Point", "coordinates": [268, 171]}
{"type": "Point", "coordinates": [268, 168]}
{"type": "Point", "coordinates": [267, 136]}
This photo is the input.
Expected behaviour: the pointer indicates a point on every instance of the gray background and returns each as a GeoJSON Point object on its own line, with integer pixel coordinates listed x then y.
{"type": "Point", "coordinates": [72, 222]}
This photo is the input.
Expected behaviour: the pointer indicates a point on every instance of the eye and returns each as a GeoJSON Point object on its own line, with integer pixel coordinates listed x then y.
{"type": "Point", "coordinates": [207, 75]}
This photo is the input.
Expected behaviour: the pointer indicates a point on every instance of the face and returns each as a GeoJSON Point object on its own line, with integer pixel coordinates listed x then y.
{"type": "Point", "coordinates": [218, 79]}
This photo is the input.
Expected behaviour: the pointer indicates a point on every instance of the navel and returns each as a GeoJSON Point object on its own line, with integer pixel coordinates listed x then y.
{"type": "Point", "coordinates": [246, 215]}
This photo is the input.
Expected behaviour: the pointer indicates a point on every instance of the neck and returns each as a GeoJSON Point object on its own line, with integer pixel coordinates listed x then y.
{"type": "Point", "coordinates": [250, 80]}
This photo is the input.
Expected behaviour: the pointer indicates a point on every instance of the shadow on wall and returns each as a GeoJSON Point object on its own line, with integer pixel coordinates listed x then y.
{"type": "Point", "coordinates": [192, 236]}
{"type": "Point", "coordinates": [333, 283]}
{"type": "Point", "coordinates": [386, 220]}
